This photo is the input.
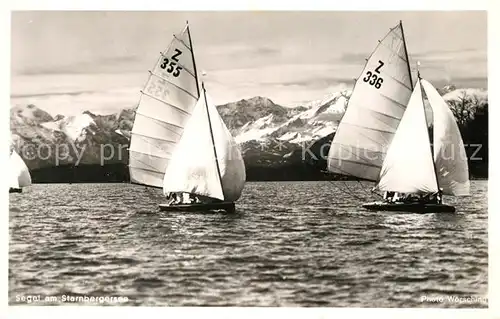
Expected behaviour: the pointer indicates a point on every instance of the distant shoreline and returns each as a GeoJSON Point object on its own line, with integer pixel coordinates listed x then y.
{"type": "Point", "coordinates": [118, 173]}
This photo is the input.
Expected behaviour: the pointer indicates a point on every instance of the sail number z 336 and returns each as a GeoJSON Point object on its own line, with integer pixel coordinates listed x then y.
{"type": "Point", "coordinates": [372, 78]}
{"type": "Point", "coordinates": [172, 64]}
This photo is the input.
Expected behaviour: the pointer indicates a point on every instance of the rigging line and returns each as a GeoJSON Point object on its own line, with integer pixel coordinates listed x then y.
{"type": "Point", "coordinates": [396, 80]}
{"type": "Point", "coordinates": [427, 129]}
{"type": "Point", "coordinates": [194, 61]}
{"type": "Point", "coordinates": [406, 52]}
{"type": "Point", "coordinates": [395, 53]}
{"type": "Point", "coordinates": [351, 193]}
{"type": "Point", "coordinates": [184, 44]}
{"type": "Point", "coordinates": [212, 136]}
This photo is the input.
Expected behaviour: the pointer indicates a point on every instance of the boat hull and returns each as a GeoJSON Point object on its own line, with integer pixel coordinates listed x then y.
{"type": "Point", "coordinates": [421, 208]}
{"type": "Point", "coordinates": [228, 207]}
{"type": "Point", "coordinates": [15, 190]}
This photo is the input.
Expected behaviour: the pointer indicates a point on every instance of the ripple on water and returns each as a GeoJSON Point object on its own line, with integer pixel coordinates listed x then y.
{"type": "Point", "coordinates": [283, 247]}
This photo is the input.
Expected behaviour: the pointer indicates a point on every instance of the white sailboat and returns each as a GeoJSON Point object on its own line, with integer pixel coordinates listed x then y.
{"type": "Point", "coordinates": [170, 121]}
{"type": "Point", "coordinates": [19, 173]}
{"type": "Point", "coordinates": [206, 163]}
{"type": "Point", "coordinates": [416, 169]}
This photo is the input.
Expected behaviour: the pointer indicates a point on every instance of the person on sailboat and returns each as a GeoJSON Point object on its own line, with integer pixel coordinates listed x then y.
{"type": "Point", "coordinates": [194, 199]}
{"type": "Point", "coordinates": [170, 198]}
{"type": "Point", "coordinates": [388, 196]}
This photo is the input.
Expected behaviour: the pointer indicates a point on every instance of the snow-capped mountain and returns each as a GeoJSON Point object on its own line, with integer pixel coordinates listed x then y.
{"type": "Point", "coordinates": [269, 134]}
{"type": "Point", "coordinates": [75, 127]}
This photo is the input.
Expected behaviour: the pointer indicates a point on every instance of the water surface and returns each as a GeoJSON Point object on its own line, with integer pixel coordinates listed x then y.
{"type": "Point", "coordinates": [289, 244]}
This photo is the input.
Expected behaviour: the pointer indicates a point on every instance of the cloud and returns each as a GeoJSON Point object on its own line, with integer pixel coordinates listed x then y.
{"type": "Point", "coordinates": [357, 58]}
{"type": "Point", "coordinates": [118, 64]}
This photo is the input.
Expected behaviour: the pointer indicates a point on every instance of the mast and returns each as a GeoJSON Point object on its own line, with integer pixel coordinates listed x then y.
{"type": "Point", "coordinates": [427, 127]}
{"type": "Point", "coordinates": [212, 136]}
{"type": "Point", "coordinates": [194, 62]}
{"type": "Point", "coordinates": [406, 51]}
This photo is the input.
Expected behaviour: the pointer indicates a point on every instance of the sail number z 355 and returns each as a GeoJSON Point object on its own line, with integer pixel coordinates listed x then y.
{"type": "Point", "coordinates": [372, 78]}
{"type": "Point", "coordinates": [172, 64]}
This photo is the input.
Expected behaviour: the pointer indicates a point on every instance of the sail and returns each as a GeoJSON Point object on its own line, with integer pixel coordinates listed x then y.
{"type": "Point", "coordinates": [449, 152]}
{"type": "Point", "coordinates": [231, 164]}
{"type": "Point", "coordinates": [165, 105]}
{"type": "Point", "coordinates": [19, 172]}
{"type": "Point", "coordinates": [375, 108]}
{"type": "Point", "coordinates": [193, 167]}
{"type": "Point", "coordinates": [408, 166]}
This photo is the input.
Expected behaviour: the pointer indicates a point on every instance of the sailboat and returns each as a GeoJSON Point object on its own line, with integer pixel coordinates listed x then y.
{"type": "Point", "coordinates": [206, 163]}
{"type": "Point", "coordinates": [19, 174]}
{"type": "Point", "coordinates": [167, 104]}
{"type": "Point", "coordinates": [414, 166]}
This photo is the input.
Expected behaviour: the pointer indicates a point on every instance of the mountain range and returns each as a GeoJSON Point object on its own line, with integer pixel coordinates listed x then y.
{"type": "Point", "coordinates": [272, 137]}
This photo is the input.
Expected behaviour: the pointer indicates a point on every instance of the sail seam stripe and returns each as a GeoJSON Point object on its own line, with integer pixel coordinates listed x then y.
{"type": "Point", "coordinates": [148, 155]}
{"type": "Point", "coordinates": [394, 101]}
{"type": "Point", "coordinates": [145, 169]}
{"type": "Point", "coordinates": [142, 184]}
{"type": "Point", "coordinates": [175, 85]}
{"type": "Point", "coordinates": [162, 101]}
{"type": "Point", "coordinates": [398, 81]}
{"type": "Point", "coordinates": [360, 158]}
{"type": "Point", "coordinates": [367, 137]}
{"type": "Point", "coordinates": [161, 122]}
{"type": "Point", "coordinates": [151, 144]}
{"type": "Point", "coordinates": [378, 112]}
{"type": "Point", "coordinates": [361, 148]}
{"type": "Point", "coordinates": [359, 163]}
{"type": "Point", "coordinates": [153, 138]}
{"type": "Point", "coordinates": [369, 128]}
{"type": "Point", "coordinates": [146, 164]}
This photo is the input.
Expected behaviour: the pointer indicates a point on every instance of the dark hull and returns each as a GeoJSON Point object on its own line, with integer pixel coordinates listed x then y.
{"type": "Point", "coordinates": [421, 208]}
{"type": "Point", "coordinates": [206, 207]}
{"type": "Point", "coordinates": [15, 190]}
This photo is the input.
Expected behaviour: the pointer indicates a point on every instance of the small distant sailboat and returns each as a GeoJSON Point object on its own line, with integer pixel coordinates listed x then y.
{"type": "Point", "coordinates": [172, 120]}
{"type": "Point", "coordinates": [19, 173]}
{"type": "Point", "coordinates": [418, 170]}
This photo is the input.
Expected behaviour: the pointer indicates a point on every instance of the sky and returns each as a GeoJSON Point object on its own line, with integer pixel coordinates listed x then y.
{"type": "Point", "coordinates": [69, 62]}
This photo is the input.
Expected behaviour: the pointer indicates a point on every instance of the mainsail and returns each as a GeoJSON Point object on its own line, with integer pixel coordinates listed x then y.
{"type": "Point", "coordinates": [19, 172]}
{"type": "Point", "coordinates": [449, 152]}
{"type": "Point", "coordinates": [197, 166]}
{"type": "Point", "coordinates": [166, 103]}
{"type": "Point", "coordinates": [408, 166]}
{"type": "Point", "coordinates": [375, 108]}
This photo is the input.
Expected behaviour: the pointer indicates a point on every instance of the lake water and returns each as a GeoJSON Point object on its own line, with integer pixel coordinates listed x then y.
{"type": "Point", "coordinates": [289, 244]}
